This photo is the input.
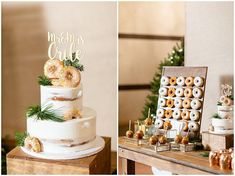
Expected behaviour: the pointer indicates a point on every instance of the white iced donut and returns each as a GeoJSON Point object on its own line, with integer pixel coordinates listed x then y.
{"type": "Point", "coordinates": [193, 126]}
{"type": "Point", "coordinates": [178, 103]}
{"type": "Point", "coordinates": [177, 114]}
{"type": "Point", "coordinates": [194, 115]}
{"type": "Point", "coordinates": [179, 92]}
{"type": "Point", "coordinates": [163, 91]}
{"type": "Point", "coordinates": [164, 80]}
{"type": "Point", "coordinates": [160, 113]}
{"type": "Point", "coordinates": [197, 92]}
{"type": "Point", "coordinates": [180, 81]}
{"type": "Point", "coordinates": [159, 123]}
{"type": "Point", "coordinates": [195, 104]}
{"type": "Point", "coordinates": [162, 102]}
{"type": "Point", "coordinates": [198, 81]}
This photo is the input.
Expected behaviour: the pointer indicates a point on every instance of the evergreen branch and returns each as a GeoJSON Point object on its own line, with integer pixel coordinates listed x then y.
{"type": "Point", "coordinates": [20, 137]}
{"type": "Point", "coordinates": [45, 114]}
{"type": "Point", "coordinates": [205, 154]}
{"type": "Point", "coordinates": [219, 103]}
{"type": "Point", "coordinates": [75, 62]}
{"type": "Point", "coordinates": [216, 116]}
{"type": "Point", "coordinates": [44, 81]}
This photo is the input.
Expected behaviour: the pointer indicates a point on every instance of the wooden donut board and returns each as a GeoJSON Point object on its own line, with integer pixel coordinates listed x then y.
{"type": "Point", "coordinates": [171, 71]}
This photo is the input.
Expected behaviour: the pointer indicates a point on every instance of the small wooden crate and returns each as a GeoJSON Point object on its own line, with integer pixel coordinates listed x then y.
{"type": "Point", "coordinates": [187, 147]}
{"type": "Point", "coordinates": [20, 163]}
{"type": "Point", "coordinates": [217, 141]}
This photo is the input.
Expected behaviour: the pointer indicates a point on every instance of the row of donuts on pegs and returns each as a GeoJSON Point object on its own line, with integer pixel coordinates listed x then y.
{"type": "Point", "coordinates": [181, 81]}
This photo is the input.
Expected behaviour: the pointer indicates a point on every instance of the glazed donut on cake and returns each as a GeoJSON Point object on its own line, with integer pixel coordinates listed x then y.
{"type": "Point", "coordinates": [169, 103]}
{"type": "Point", "coordinates": [197, 92]}
{"type": "Point", "coordinates": [185, 115]}
{"type": "Point", "coordinates": [198, 81]}
{"type": "Point", "coordinates": [172, 81]}
{"type": "Point", "coordinates": [180, 81]}
{"type": "Point", "coordinates": [163, 91]}
{"type": "Point", "coordinates": [193, 126]}
{"type": "Point", "coordinates": [171, 92]}
{"type": "Point", "coordinates": [168, 113]}
{"type": "Point", "coordinates": [195, 104]}
{"type": "Point", "coordinates": [164, 80]}
{"type": "Point", "coordinates": [188, 92]}
{"type": "Point", "coordinates": [222, 98]}
{"type": "Point", "coordinates": [227, 102]}
{"type": "Point", "coordinates": [162, 102]}
{"type": "Point", "coordinates": [159, 123]}
{"type": "Point", "coordinates": [160, 113]}
{"type": "Point", "coordinates": [178, 103]}
{"type": "Point", "coordinates": [185, 127]}
{"type": "Point", "coordinates": [194, 115]}
{"type": "Point", "coordinates": [179, 92]}
{"type": "Point", "coordinates": [189, 81]}
{"type": "Point", "coordinates": [176, 114]}
{"type": "Point", "coordinates": [186, 103]}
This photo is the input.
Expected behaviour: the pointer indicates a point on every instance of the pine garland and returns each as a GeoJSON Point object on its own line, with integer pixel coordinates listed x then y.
{"type": "Point", "coordinates": [75, 62]}
{"type": "Point", "coordinates": [175, 58]}
{"type": "Point", "coordinates": [44, 81]}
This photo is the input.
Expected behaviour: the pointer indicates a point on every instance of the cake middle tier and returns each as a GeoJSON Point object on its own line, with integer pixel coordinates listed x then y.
{"type": "Point", "coordinates": [61, 99]}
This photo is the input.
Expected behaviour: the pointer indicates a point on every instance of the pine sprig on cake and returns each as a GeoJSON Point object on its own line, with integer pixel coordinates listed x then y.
{"type": "Point", "coordinates": [44, 81]}
{"type": "Point", "coordinates": [20, 137]}
{"type": "Point", "coordinates": [45, 114]}
{"type": "Point", "coordinates": [216, 116]}
{"type": "Point", "coordinates": [74, 62]}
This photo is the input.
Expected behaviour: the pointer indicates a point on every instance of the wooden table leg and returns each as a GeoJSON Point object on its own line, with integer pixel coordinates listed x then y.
{"type": "Point", "coordinates": [128, 166]}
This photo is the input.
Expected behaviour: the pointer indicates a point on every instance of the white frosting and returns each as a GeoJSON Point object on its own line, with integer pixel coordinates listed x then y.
{"type": "Point", "coordinates": [78, 130]}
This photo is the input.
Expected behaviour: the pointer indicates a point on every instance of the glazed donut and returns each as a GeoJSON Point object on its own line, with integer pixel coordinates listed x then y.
{"type": "Point", "coordinates": [168, 113]}
{"type": "Point", "coordinates": [162, 102]}
{"type": "Point", "coordinates": [227, 102]}
{"type": "Point", "coordinates": [180, 81]}
{"type": "Point", "coordinates": [188, 92]}
{"type": "Point", "coordinates": [186, 103]}
{"type": "Point", "coordinates": [189, 81]}
{"type": "Point", "coordinates": [185, 127]}
{"type": "Point", "coordinates": [197, 92]}
{"type": "Point", "coordinates": [160, 113]}
{"type": "Point", "coordinates": [193, 126]}
{"type": "Point", "coordinates": [179, 92]}
{"type": "Point", "coordinates": [167, 125]}
{"type": "Point", "coordinates": [169, 103]}
{"type": "Point", "coordinates": [172, 81]}
{"type": "Point", "coordinates": [171, 92]}
{"type": "Point", "coordinates": [159, 123]}
{"type": "Point", "coordinates": [176, 114]}
{"type": "Point", "coordinates": [178, 103]}
{"type": "Point", "coordinates": [222, 98]}
{"type": "Point", "coordinates": [198, 81]}
{"type": "Point", "coordinates": [163, 91]}
{"type": "Point", "coordinates": [194, 115]}
{"type": "Point", "coordinates": [185, 115]}
{"type": "Point", "coordinates": [164, 80]}
{"type": "Point", "coordinates": [195, 104]}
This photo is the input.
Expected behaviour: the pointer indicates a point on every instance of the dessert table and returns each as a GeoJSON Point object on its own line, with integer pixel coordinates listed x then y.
{"type": "Point", "coordinates": [20, 163]}
{"type": "Point", "coordinates": [175, 162]}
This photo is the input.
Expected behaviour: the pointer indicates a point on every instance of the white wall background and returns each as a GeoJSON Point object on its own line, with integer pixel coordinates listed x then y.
{"type": "Point", "coordinates": [209, 42]}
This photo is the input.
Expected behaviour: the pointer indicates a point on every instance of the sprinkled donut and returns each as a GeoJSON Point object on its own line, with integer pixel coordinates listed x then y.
{"type": "Point", "coordinates": [198, 81]}
{"type": "Point", "coordinates": [178, 103]}
{"type": "Point", "coordinates": [193, 126]}
{"type": "Point", "coordinates": [160, 113]}
{"type": "Point", "coordinates": [180, 81]}
{"type": "Point", "coordinates": [172, 81]}
{"type": "Point", "coordinates": [169, 103]}
{"type": "Point", "coordinates": [194, 115]}
{"type": "Point", "coordinates": [185, 115]}
{"type": "Point", "coordinates": [171, 92]}
{"type": "Point", "coordinates": [189, 81]}
{"type": "Point", "coordinates": [164, 80]}
{"type": "Point", "coordinates": [179, 92]}
{"type": "Point", "coordinates": [195, 104]}
{"type": "Point", "coordinates": [168, 113]}
{"type": "Point", "coordinates": [197, 92]}
{"type": "Point", "coordinates": [176, 114]}
{"type": "Point", "coordinates": [162, 102]}
{"type": "Point", "coordinates": [186, 103]}
{"type": "Point", "coordinates": [188, 92]}
{"type": "Point", "coordinates": [163, 91]}
{"type": "Point", "coordinates": [159, 123]}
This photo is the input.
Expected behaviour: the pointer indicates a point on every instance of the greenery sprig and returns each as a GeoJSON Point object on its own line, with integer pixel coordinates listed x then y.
{"type": "Point", "coordinates": [44, 81]}
{"type": "Point", "coordinates": [219, 103]}
{"type": "Point", "coordinates": [216, 116]}
{"type": "Point", "coordinates": [205, 154]}
{"type": "Point", "coordinates": [20, 137]}
{"type": "Point", "coordinates": [46, 114]}
{"type": "Point", "coordinates": [75, 62]}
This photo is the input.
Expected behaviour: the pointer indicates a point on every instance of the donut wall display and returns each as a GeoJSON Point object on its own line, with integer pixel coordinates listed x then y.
{"type": "Point", "coordinates": [181, 96]}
